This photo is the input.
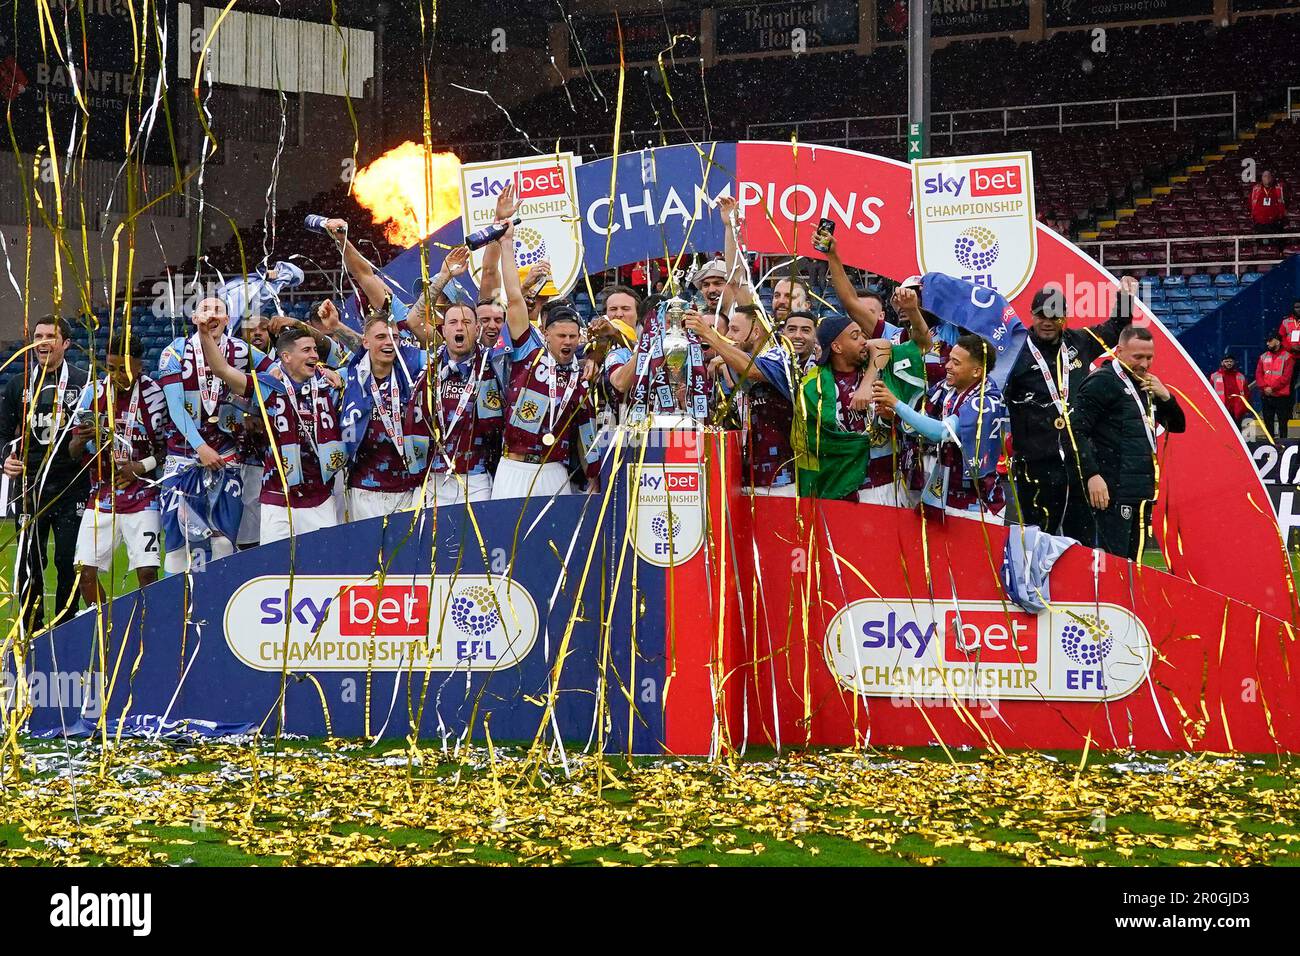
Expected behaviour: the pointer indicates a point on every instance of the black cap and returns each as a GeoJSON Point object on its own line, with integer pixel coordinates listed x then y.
{"type": "Point", "coordinates": [561, 312]}
{"type": "Point", "coordinates": [1272, 336]}
{"type": "Point", "coordinates": [828, 330]}
{"type": "Point", "coordinates": [1050, 303]}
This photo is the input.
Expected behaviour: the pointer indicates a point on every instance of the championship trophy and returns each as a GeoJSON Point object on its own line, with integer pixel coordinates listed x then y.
{"type": "Point", "coordinates": [677, 351]}
{"type": "Point", "coordinates": [682, 391]}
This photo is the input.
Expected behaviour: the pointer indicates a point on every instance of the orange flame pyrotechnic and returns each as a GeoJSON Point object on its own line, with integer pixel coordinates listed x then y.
{"type": "Point", "coordinates": [410, 192]}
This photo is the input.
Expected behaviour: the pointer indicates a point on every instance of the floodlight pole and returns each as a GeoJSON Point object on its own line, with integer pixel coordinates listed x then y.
{"type": "Point", "coordinates": [918, 79]}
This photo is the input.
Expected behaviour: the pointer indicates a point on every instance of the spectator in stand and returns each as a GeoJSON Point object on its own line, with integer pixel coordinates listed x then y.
{"type": "Point", "coordinates": [1268, 204]}
{"type": "Point", "coordinates": [1274, 373]}
{"type": "Point", "coordinates": [1230, 385]}
{"type": "Point", "coordinates": [638, 275]}
{"type": "Point", "coordinates": [1289, 330]}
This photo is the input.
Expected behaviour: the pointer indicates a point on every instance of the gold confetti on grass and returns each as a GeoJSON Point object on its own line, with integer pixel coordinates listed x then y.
{"type": "Point", "coordinates": [343, 804]}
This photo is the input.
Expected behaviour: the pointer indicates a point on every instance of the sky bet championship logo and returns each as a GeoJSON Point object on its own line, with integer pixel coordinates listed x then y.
{"type": "Point", "coordinates": [987, 649]}
{"type": "Point", "coordinates": [548, 195]}
{"type": "Point", "coordinates": [974, 219]}
{"type": "Point", "coordinates": [667, 512]}
{"type": "Point", "coordinates": [439, 622]}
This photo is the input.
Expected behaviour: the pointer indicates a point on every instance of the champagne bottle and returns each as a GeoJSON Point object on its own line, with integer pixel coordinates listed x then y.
{"type": "Point", "coordinates": [481, 237]}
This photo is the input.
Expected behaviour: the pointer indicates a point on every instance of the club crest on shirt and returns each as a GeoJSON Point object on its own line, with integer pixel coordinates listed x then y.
{"type": "Point", "coordinates": [528, 411]}
{"type": "Point", "coordinates": [491, 397]}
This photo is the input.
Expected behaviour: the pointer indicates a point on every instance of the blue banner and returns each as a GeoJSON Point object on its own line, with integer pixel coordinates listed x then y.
{"type": "Point", "coordinates": [466, 627]}
{"type": "Point", "coordinates": [662, 203]}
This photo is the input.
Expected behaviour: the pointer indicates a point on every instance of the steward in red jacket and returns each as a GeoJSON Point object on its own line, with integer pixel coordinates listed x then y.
{"type": "Point", "coordinates": [1268, 203]}
{"type": "Point", "coordinates": [1230, 385]}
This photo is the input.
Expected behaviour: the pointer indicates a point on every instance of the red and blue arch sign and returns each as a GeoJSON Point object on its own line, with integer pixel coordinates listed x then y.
{"type": "Point", "coordinates": [782, 623]}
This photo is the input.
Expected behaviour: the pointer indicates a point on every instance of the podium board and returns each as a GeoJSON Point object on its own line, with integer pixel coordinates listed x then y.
{"type": "Point", "coordinates": [672, 613]}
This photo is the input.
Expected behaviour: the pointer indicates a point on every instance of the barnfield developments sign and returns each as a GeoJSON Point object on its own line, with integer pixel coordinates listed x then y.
{"type": "Point", "coordinates": [764, 27]}
{"type": "Point", "coordinates": [953, 18]}
{"type": "Point", "coordinates": [101, 75]}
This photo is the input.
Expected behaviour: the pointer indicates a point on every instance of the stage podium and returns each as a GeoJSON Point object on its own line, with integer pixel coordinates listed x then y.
{"type": "Point", "coordinates": [671, 613]}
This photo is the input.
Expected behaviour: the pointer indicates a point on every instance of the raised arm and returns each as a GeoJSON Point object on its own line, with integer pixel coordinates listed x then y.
{"type": "Point", "coordinates": [908, 306]}
{"type": "Point", "coordinates": [737, 359]}
{"type": "Point", "coordinates": [333, 326]}
{"type": "Point", "coordinates": [516, 307]}
{"type": "Point", "coordinates": [872, 327]}
{"type": "Point", "coordinates": [454, 264]}
{"type": "Point", "coordinates": [235, 380]}
{"type": "Point", "coordinates": [363, 273]}
{"type": "Point", "coordinates": [737, 268]}
{"type": "Point", "coordinates": [1105, 335]}
{"type": "Point", "coordinates": [489, 279]}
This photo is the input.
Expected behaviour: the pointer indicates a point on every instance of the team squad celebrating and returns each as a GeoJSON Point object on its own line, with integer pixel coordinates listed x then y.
{"type": "Point", "coordinates": [297, 426]}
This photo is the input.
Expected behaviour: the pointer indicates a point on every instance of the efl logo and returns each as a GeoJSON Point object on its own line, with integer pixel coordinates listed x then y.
{"type": "Point", "coordinates": [995, 181]}
{"type": "Point", "coordinates": [991, 637]}
{"type": "Point", "coordinates": [393, 611]}
{"type": "Point", "coordinates": [682, 482]}
{"type": "Point", "coordinates": [539, 182]}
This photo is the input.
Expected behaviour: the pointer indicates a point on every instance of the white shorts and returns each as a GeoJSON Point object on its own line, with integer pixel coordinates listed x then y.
{"type": "Point", "coordinates": [102, 531]}
{"type": "Point", "coordinates": [519, 479]}
{"type": "Point", "coordinates": [782, 491]}
{"type": "Point", "coordinates": [894, 494]}
{"type": "Point", "coordinates": [275, 520]}
{"type": "Point", "coordinates": [442, 490]}
{"type": "Point", "coordinates": [250, 522]}
{"type": "Point", "coordinates": [366, 503]}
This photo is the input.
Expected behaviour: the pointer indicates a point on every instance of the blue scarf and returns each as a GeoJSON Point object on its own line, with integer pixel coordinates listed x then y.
{"type": "Point", "coordinates": [982, 425]}
{"type": "Point", "coordinates": [357, 401]}
{"type": "Point", "coordinates": [977, 309]}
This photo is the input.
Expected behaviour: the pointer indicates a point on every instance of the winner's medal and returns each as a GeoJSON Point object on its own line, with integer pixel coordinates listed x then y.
{"type": "Point", "coordinates": [1059, 423]}
{"type": "Point", "coordinates": [548, 439]}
